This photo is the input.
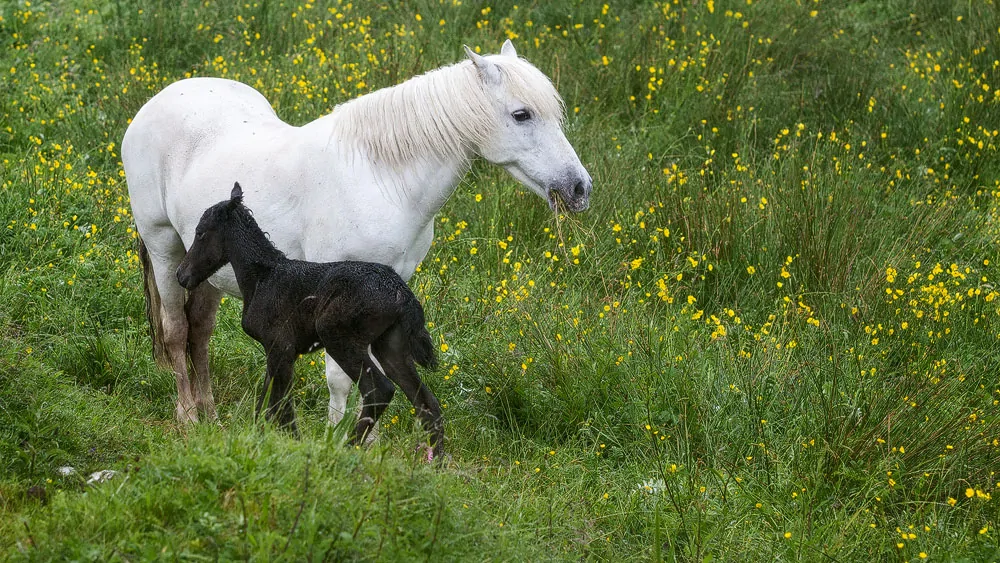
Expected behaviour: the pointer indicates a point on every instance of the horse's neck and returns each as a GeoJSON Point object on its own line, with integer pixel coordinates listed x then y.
{"type": "Point", "coordinates": [424, 186]}
{"type": "Point", "coordinates": [418, 137]}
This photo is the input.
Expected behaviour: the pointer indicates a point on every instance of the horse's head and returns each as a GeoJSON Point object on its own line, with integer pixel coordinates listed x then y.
{"type": "Point", "coordinates": [208, 251]}
{"type": "Point", "coordinates": [527, 138]}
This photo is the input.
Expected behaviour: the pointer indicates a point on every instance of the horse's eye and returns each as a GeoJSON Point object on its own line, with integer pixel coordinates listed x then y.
{"type": "Point", "coordinates": [200, 236]}
{"type": "Point", "coordinates": [521, 115]}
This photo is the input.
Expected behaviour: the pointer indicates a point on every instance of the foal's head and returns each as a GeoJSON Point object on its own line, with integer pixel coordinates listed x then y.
{"type": "Point", "coordinates": [208, 252]}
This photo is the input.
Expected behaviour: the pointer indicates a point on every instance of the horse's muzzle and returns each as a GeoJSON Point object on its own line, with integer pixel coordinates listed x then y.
{"type": "Point", "coordinates": [575, 195]}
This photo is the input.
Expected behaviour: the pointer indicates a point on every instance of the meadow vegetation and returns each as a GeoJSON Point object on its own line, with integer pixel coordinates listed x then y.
{"type": "Point", "coordinates": [774, 336]}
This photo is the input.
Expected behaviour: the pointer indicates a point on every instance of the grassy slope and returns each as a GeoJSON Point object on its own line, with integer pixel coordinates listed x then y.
{"type": "Point", "coordinates": [774, 335]}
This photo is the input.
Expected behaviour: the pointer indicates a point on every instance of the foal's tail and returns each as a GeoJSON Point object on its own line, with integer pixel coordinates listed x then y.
{"type": "Point", "coordinates": [420, 341]}
{"type": "Point", "coordinates": [152, 307]}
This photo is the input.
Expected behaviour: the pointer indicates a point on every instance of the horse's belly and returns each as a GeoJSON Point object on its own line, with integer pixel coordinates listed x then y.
{"type": "Point", "coordinates": [375, 234]}
{"type": "Point", "coordinates": [343, 229]}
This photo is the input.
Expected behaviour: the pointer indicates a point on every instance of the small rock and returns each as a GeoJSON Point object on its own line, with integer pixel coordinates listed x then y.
{"type": "Point", "coordinates": [101, 476]}
{"type": "Point", "coordinates": [38, 493]}
{"type": "Point", "coordinates": [65, 470]}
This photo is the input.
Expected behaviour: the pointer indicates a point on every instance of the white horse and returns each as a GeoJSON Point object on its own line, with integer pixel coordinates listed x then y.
{"type": "Point", "coordinates": [362, 183]}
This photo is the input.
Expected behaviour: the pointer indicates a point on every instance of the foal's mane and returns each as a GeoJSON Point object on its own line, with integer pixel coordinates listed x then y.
{"type": "Point", "coordinates": [445, 113]}
{"type": "Point", "coordinates": [242, 216]}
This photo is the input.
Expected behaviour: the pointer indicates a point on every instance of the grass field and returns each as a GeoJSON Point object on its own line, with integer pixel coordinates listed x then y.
{"type": "Point", "coordinates": [774, 336]}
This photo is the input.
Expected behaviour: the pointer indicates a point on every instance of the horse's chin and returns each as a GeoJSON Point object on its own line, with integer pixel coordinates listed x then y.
{"type": "Point", "coordinates": [187, 282]}
{"type": "Point", "coordinates": [188, 279]}
{"type": "Point", "coordinates": [575, 193]}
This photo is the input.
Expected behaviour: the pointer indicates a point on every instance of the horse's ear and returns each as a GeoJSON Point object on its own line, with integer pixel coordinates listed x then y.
{"type": "Point", "coordinates": [237, 193]}
{"type": "Point", "coordinates": [508, 49]}
{"type": "Point", "coordinates": [488, 71]}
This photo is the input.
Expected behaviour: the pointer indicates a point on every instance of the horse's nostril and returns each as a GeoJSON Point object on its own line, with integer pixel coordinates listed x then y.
{"type": "Point", "coordinates": [579, 190]}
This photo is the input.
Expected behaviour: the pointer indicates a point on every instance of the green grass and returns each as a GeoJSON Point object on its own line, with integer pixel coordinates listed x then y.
{"type": "Point", "coordinates": [774, 335]}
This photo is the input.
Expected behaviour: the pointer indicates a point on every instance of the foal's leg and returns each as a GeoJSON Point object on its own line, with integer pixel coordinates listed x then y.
{"type": "Point", "coordinates": [340, 383]}
{"type": "Point", "coordinates": [376, 393]}
{"type": "Point", "coordinates": [265, 388]}
{"type": "Point", "coordinates": [393, 352]}
{"type": "Point", "coordinates": [350, 351]}
{"type": "Point", "coordinates": [173, 320]}
{"type": "Point", "coordinates": [280, 373]}
{"type": "Point", "coordinates": [201, 307]}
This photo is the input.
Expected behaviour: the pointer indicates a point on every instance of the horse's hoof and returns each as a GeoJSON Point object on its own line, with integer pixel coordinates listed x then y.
{"type": "Point", "coordinates": [209, 413]}
{"type": "Point", "coordinates": [187, 415]}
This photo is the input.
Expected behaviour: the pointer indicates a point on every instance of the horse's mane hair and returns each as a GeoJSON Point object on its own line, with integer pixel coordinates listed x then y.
{"type": "Point", "coordinates": [445, 113]}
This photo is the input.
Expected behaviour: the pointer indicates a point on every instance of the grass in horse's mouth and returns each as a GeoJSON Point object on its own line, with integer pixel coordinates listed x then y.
{"type": "Point", "coordinates": [554, 200]}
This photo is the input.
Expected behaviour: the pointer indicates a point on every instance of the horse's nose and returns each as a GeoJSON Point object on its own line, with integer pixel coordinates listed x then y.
{"type": "Point", "coordinates": [581, 194]}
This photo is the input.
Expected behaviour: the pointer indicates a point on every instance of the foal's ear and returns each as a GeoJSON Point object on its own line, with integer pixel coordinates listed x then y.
{"type": "Point", "coordinates": [488, 71]}
{"type": "Point", "coordinates": [237, 193]}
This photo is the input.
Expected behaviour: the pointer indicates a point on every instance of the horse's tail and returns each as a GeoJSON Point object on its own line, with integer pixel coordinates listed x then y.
{"type": "Point", "coordinates": [152, 307]}
{"type": "Point", "coordinates": [420, 341]}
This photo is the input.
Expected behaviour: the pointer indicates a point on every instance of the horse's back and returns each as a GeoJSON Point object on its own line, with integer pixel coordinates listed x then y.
{"type": "Point", "coordinates": [185, 126]}
{"type": "Point", "coordinates": [186, 117]}
{"type": "Point", "coordinates": [195, 109]}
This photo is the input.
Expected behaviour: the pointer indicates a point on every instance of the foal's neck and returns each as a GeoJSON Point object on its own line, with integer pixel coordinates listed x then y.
{"type": "Point", "coordinates": [252, 256]}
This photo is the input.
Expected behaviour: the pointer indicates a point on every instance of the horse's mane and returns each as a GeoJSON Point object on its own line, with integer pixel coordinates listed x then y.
{"type": "Point", "coordinates": [443, 113]}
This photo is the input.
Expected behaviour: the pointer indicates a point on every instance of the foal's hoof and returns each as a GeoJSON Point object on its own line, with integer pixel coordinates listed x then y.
{"type": "Point", "coordinates": [428, 454]}
{"type": "Point", "coordinates": [372, 436]}
{"type": "Point", "coordinates": [363, 431]}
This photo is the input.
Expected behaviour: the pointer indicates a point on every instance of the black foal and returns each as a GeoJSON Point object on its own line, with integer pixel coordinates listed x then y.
{"type": "Point", "coordinates": [358, 311]}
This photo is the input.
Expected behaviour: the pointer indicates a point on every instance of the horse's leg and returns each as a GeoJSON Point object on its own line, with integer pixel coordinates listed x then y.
{"type": "Point", "coordinates": [339, 383]}
{"type": "Point", "coordinates": [173, 319]}
{"type": "Point", "coordinates": [201, 307]}
{"type": "Point", "coordinates": [280, 373]}
{"type": "Point", "coordinates": [393, 353]}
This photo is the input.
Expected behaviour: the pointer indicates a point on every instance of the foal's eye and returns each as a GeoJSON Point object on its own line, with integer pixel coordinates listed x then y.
{"type": "Point", "coordinates": [521, 115]}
